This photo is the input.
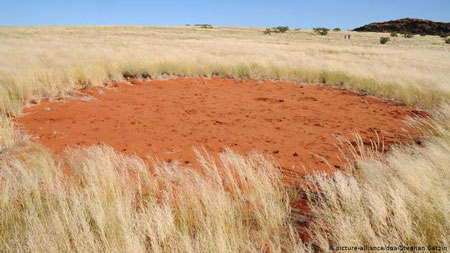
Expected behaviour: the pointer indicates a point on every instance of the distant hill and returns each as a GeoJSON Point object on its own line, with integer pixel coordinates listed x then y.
{"type": "Point", "coordinates": [408, 25]}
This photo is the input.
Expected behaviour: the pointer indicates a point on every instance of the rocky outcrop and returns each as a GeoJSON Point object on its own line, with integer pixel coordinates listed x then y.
{"type": "Point", "coordinates": [408, 25]}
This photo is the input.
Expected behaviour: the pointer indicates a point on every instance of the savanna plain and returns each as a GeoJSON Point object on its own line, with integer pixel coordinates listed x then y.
{"type": "Point", "coordinates": [96, 198]}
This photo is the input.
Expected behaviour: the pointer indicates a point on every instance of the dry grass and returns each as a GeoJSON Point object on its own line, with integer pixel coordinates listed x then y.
{"type": "Point", "coordinates": [399, 199]}
{"type": "Point", "coordinates": [110, 202]}
{"type": "Point", "coordinates": [50, 60]}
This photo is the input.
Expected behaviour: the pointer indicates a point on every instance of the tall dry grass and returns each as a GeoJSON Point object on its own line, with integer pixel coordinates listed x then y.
{"type": "Point", "coordinates": [109, 202]}
{"type": "Point", "coordinates": [402, 199]}
{"type": "Point", "coordinates": [45, 61]}
{"type": "Point", "coordinates": [105, 201]}
{"type": "Point", "coordinates": [100, 200]}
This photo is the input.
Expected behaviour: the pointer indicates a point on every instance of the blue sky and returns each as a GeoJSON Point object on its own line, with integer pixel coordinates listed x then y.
{"type": "Point", "coordinates": [346, 14]}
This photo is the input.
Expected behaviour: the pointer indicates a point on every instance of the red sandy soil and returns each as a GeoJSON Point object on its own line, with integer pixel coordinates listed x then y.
{"type": "Point", "coordinates": [166, 119]}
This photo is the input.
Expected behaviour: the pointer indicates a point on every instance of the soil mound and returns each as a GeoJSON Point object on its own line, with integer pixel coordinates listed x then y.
{"type": "Point", "coordinates": [408, 25]}
{"type": "Point", "coordinates": [299, 125]}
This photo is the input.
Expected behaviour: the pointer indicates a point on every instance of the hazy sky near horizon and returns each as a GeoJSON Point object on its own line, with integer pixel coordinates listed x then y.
{"type": "Point", "coordinates": [346, 14]}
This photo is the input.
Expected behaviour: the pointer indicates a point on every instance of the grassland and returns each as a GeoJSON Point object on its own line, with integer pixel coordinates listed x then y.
{"type": "Point", "coordinates": [109, 202]}
{"type": "Point", "coordinates": [48, 60]}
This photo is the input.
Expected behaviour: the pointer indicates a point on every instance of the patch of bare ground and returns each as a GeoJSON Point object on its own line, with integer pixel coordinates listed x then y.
{"type": "Point", "coordinates": [298, 125]}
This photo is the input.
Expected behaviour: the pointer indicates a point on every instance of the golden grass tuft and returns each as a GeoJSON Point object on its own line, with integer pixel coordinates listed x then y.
{"type": "Point", "coordinates": [110, 202]}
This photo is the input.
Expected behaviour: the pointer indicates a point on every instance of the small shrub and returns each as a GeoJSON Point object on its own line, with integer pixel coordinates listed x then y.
{"type": "Point", "coordinates": [423, 34]}
{"type": "Point", "coordinates": [443, 35]}
{"type": "Point", "coordinates": [321, 30]}
{"type": "Point", "coordinates": [204, 25]}
{"type": "Point", "coordinates": [280, 29]}
{"type": "Point", "coordinates": [337, 29]}
{"type": "Point", "coordinates": [297, 29]}
{"type": "Point", "coordinates": [447, 41]}
{"type": "Point", "coordinates": [267, 31]}
{"type": "Point", "coordinates": [394, 34]}
{"type": "Point", "coordinates": [384, 40]}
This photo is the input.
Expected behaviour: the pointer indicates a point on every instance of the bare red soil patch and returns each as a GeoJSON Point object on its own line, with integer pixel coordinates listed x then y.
{"type": "Point", "coordinates": [166, 119]}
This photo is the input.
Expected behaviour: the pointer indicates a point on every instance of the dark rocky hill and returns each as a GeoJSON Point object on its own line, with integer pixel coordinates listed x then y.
{"type": "Point", "coordinates": [408, 25]}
